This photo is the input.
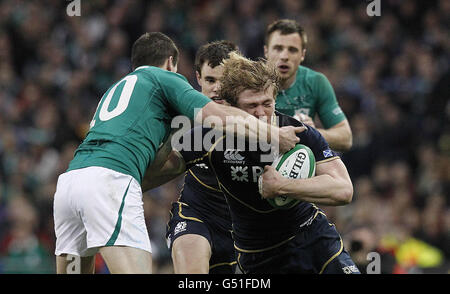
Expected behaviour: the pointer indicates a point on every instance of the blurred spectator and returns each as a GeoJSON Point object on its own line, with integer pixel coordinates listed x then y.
{"type": "Point", "coordinates": [23, 249]}
{"type": "Point", "coordinates": [391, 75]}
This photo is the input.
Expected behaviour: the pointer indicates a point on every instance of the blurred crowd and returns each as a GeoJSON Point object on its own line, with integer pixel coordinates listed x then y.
{"type": "Point", "coordinates": [390, 72]}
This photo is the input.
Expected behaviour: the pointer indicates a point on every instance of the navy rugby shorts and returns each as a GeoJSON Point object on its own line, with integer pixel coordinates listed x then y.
{"type": "Point", "coordinates": [316, 249]}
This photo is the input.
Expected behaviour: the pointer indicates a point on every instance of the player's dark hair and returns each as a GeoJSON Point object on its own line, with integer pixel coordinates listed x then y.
{"type": "Point", "coordinates": [153, 49]}
{"type": "Point", "coordinates": [213, 53]}
{"type": "Point", "coordinates": [286, 27]}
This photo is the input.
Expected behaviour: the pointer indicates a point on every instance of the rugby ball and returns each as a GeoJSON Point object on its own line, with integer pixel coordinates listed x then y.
{"type": "Point", "coordinates": [297, 163]}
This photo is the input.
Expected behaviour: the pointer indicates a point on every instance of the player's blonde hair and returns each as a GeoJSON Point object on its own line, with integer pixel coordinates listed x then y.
{"type": "Point", "coordinates": [242, 74]}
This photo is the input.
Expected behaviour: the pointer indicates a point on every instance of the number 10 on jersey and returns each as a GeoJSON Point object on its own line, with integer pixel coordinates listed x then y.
{"type": "Point", "coordinates": [122, 103]}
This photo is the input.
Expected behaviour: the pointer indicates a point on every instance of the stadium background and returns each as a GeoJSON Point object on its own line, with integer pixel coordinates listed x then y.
{"type": "Point", "coordinates": [390, 74]}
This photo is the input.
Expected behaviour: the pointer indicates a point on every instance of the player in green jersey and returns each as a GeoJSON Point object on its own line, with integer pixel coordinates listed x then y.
{"type": "Point", "coordinates": [98, 201]}
{"type": "Point", "coordinates": [304, 93]}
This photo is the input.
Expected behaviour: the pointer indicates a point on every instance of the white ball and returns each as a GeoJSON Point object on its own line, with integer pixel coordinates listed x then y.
{"type": "Point", "coordinates": [297, 163]}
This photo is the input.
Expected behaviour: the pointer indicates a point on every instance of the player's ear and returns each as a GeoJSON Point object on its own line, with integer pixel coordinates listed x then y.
{"type": "Point", "coordinates": [303, 55]}
{"type": "Point", "coordinates": [199, 78]}
{"type": "Point", "coordinates": [170, 66]}
{"type": "Point", "coordinates": [266, 50]}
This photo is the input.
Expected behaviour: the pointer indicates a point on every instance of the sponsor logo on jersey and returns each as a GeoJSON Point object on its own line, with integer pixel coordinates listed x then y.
{"type": "Point", "coordinates": [239, 173]}
{"type": "Point", "coordinates": [233, 156]}
{"type": "Point", "coordinates": [180, 227]}
{"type": "Point", "coordinates": [337, 111]}
{"type": "Point", "coordinates": [350, 269]}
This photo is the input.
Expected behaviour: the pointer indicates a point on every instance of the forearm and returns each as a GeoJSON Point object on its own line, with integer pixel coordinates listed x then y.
{"type": "Point", "coordinates": [156, 176]}
{"type": "Point", "coordinates": [253, 129]}
{"type": "Point", "coordinates": [323, 189]}
{"type": "Point", "coordinates": [156, 181]}
{"type": "Point", "coordinates": [238, 122]}
{"type": "Point", "coordinates": [339, 138]}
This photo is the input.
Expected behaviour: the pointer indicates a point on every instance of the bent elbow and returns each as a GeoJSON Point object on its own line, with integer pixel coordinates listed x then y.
{"type": "Point", "coordinates": [346, 196]}
{"type": "Point", "coordinates": [349, 195]}
{"type": "Point", "coordinates": [343, 145]}
{"type": "Point", "coordinates": [349, 143]}
{"type": "Point", "coordinates": [343, 137]}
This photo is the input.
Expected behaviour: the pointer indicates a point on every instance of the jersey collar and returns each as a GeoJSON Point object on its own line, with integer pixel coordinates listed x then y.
{"type": "Point", "coordinates": [142, 66]}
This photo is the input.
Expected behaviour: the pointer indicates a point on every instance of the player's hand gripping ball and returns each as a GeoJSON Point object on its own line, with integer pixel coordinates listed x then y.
{"type": "Point", "coordinates": [297, 163]}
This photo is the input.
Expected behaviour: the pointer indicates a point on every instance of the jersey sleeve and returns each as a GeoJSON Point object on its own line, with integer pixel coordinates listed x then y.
{"type": "Point", "coordinates": [317, 143]}
{"type": "Point", "coordinates": [330, 113]}
{"type": "Point", "coordinates": [180, 95]}
{"type": "Point", "coordinates": [310, 137]}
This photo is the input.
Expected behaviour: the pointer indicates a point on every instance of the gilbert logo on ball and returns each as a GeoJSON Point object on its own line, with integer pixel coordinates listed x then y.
{"type": "Point", "coordinates": [298, 163]}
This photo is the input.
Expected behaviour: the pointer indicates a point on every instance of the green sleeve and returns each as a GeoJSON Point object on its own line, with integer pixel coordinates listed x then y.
{"type": "Point", "coordinates": [180, 94]}
{"type": "Point", "coordinates": [330, 113]}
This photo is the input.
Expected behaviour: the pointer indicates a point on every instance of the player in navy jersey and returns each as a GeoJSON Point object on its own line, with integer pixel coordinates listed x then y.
{"type": "Point", "coordinates": [268, 239]}
{"type": "Point", "coordinates": [205, 244]}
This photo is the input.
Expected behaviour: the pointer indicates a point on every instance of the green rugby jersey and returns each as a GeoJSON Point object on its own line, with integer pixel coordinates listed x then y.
{"type": "Point", "coordinates": [311, 94]}
{"type": "Point", "coordinates": [133, 118]}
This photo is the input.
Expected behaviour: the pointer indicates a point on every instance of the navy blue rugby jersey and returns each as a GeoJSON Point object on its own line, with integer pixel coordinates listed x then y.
{"type": "Point", "coordinates": [257, 226]}
{"type": "Point", "coordinates": [208, 200]}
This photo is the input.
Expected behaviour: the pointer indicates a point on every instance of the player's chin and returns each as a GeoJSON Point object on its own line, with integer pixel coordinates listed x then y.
{"type": "Point", "coordinates": [286, 75]}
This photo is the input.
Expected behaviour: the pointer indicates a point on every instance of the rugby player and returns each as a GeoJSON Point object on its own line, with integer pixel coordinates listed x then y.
{"type": "Point", "coordinates": [267, 239]}
{"type": "Point", "coordinates": [304, 93]}
{"type": "Point", "coordinates": [205, 245]}
{"type": "Point", "coordinates": [98, 200]}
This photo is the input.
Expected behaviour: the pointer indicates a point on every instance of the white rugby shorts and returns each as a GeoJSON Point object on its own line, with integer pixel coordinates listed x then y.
{"type": "Point", "coordinates": [95, 207]}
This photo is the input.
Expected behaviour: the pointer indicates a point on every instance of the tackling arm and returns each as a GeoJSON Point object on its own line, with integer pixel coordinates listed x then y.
{"type": "Point", "coordinates": [167, 165]}
{"type": "Point", "coordinates": [172, 167]}
{"type": "Point", "coordinates": [228, 117]}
